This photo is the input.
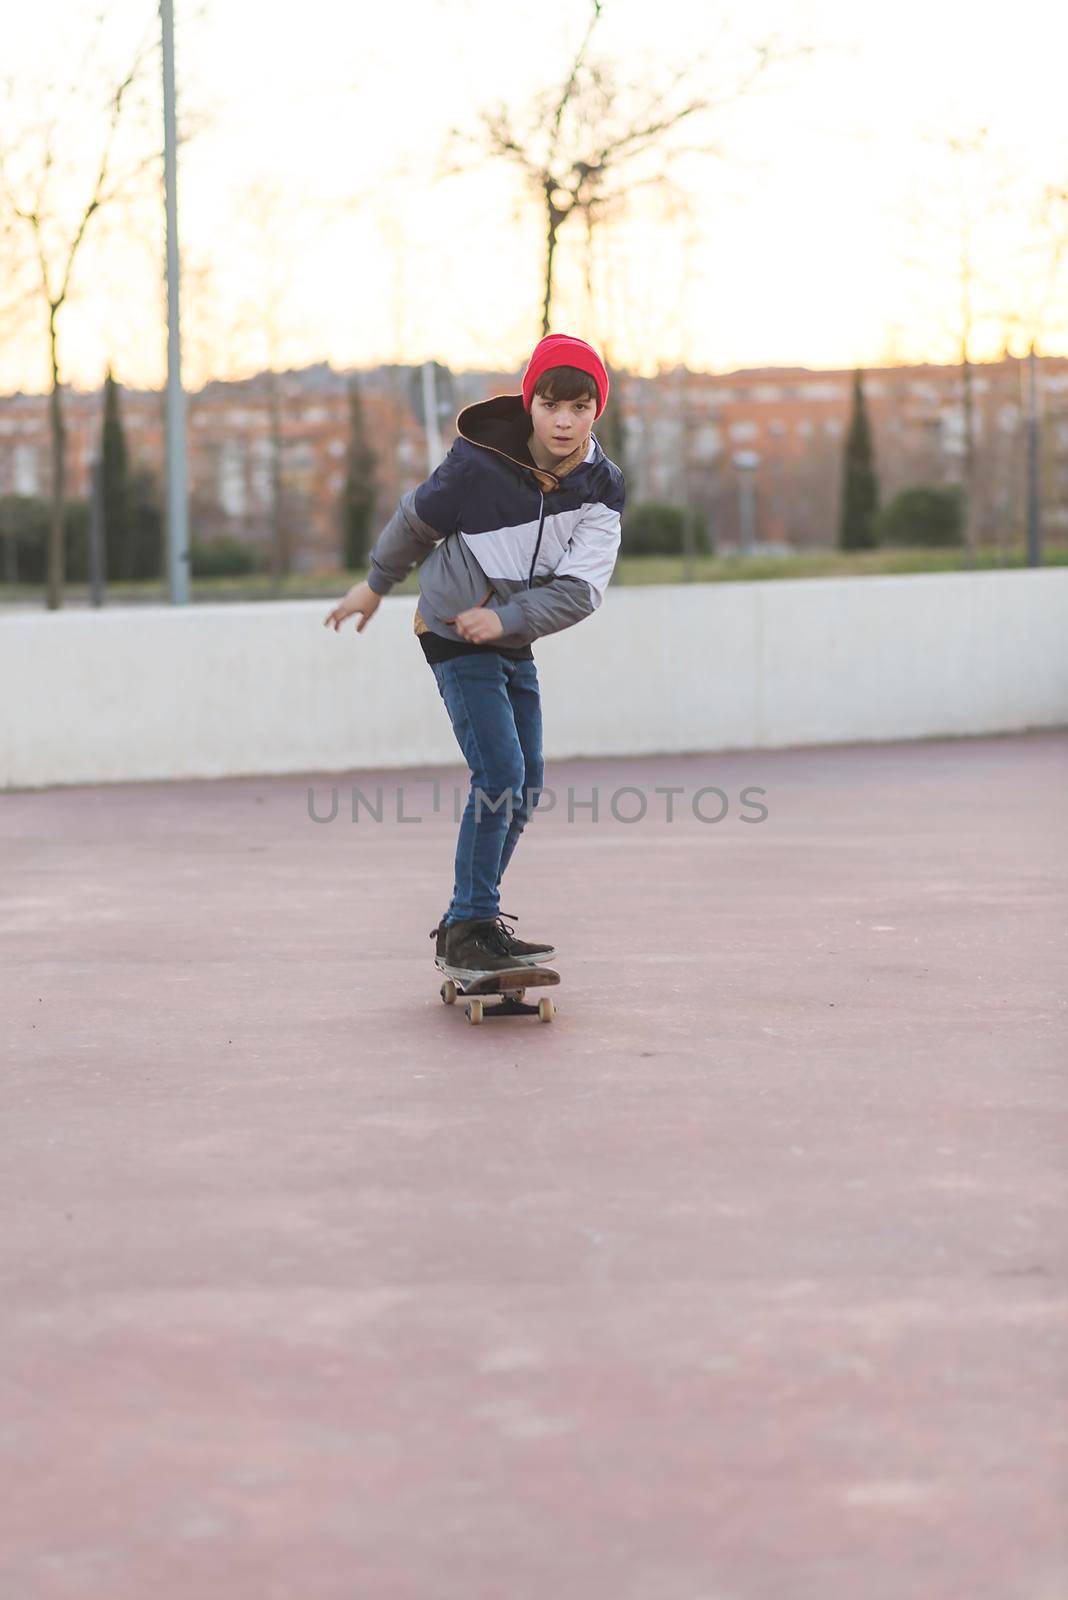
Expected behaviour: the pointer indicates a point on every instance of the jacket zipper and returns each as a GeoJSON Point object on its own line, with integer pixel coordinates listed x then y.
{"type": "Point", "coordinates": [537, 547]}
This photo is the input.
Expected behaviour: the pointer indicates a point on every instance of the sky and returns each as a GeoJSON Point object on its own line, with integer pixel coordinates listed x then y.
{"type": "Point", "coordinates": [824, 230]}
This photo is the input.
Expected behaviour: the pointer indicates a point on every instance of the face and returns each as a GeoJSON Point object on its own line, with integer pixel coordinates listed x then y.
{"type": "Point", "coordinates": [561, 425]}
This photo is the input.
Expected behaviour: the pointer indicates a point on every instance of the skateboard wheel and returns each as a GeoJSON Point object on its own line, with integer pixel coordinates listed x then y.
{"type": "Point", "coordinates": [546, 1009]}
{"type": "Point", "coordinates": [448, 992]}
{"type": "Point", "coordinates": [474, 1011]}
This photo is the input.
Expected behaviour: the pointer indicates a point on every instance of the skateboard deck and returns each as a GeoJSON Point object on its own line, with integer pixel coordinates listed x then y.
{"type": "Point", "coordinates": [511, 985]}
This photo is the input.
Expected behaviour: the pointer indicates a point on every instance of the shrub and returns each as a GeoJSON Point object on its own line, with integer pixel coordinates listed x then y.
{"type": "Point", "coordinates": [652, 528]}
{"type": "Point", "coordinates": [923, 515]}
{"type": "Point", "coordinates": [24, 522]}
{"type": "Point", "coordinates": [222, 558]}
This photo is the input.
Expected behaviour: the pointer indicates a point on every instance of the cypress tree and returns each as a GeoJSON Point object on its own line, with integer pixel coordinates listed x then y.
{"type": "Point", "coordinates": [147, 558]}
{"type": "Point", "coordinates": [860, 487]}
{"type": "Point", "coordinates": [115, 487]}
{"type": "Point", "coordinates": [358, 495]}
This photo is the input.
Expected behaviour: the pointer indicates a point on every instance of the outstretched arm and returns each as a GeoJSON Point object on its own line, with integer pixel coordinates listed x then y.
{"type": "Point", "coordinates": [423, 518]}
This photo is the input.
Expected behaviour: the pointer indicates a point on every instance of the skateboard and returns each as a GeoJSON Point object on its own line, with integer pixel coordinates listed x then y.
{"type": "Point", "coordinates": [511, 984]}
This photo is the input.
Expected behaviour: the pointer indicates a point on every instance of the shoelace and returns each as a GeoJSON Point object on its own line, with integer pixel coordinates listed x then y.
{"type": "Point", "coordinates": [507, 934]}
{"type": "Point", "coordinates": [502, 934]}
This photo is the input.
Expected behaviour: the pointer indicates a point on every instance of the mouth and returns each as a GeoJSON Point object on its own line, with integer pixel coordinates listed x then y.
{"type": "Point", "coordinates": [558, 440]}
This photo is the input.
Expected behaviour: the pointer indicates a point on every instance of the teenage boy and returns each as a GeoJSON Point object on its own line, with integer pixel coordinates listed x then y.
{"type": "Point", "coordinates": [516, 535]}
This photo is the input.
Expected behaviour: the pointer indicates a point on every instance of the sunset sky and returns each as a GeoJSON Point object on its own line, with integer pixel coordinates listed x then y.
{"type": "Point", "coordinates": [826, 234]}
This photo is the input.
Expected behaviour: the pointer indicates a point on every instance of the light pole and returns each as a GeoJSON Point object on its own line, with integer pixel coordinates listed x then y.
{"type": "Point", "coordinates": [746, 463]}
{"type": "Point", "coordinates": [430, 417]}
{"type": "Point", "coordinates": [97, 542]}
{"type": "Point", "coordinates": [1034, 500]}
{"type": "Point", "coordinates": [177, 493]}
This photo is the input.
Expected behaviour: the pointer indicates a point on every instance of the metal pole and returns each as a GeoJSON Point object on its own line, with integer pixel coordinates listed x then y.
{"type": "Point", "coordinates": [177, 492]}
{"type": "Point", "coordinates": [430, 418]}
{"type": "Point", "coordinates": [746, 463]}
{"type": "Point", "coordinates": [683, 423]}
{"type": "Point", "coordinates": [1034, 504]}
{"type": "Point", "coordinates": [96, 532]}
{"type": "Point", "coordinates": [747, 510]}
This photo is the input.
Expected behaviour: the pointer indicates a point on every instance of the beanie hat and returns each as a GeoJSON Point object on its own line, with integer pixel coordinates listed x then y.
{"type": "Point", "coordinates": [561, 350]}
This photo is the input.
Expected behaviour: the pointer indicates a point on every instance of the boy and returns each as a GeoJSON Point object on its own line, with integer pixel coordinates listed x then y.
{"type": "Point", "coordinates": [516, 534]}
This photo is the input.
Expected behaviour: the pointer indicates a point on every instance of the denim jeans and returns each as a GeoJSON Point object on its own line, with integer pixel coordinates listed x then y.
{"type": "Point", "coordinates": [494, 704]}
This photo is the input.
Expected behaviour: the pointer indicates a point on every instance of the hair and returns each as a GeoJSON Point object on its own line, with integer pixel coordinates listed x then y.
{"type": "Point", "coordinates": [566, 383]}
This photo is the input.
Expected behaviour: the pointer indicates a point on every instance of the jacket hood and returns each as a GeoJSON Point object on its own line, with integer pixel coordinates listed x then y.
{"type": "Point", "coordinates": [503, 424]}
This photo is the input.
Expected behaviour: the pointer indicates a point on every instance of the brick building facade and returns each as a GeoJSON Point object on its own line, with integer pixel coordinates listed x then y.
{"type": "Point", "coordinates": [683, 431]}
{"type": "Point", "coordinates": [687, 428]}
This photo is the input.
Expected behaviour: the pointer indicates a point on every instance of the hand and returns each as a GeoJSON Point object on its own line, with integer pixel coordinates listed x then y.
{"type": "Point", "coordinates": [362, 598]}
{"type": "Point", "coordinates": [479, 625]}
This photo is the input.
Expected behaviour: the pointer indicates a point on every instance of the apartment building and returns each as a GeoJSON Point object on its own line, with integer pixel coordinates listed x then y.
{"type": "Point", "coordinates": [267, 455]}
{"type": "Point", "coordinates": [787, 427]}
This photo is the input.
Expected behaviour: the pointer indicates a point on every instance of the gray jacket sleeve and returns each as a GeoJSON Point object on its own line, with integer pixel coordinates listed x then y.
{"type": "Point", "coordinates": [551, 605]}
{"type": "Point", "coordinates": [424, 517]}
{"type": "Point", "coordinates": [577, 586]}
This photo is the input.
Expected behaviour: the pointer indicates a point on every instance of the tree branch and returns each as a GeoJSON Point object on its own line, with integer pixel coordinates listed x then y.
{"type": "Point", "coordinates": [98, 196]}
{"type": "Point", "coordinates": [569, 86]}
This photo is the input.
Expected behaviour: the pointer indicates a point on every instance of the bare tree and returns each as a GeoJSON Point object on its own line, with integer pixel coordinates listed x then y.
{"type": "Point", "coordinates": [271, 222]}
{"type": "Point", "coordinates": [55, 229]}
{"type": "Point", "coordinates": [955, 212]}
{"type": "Point", "coordinates": [967, 150]}
{"type": "Point", "coordinates": [1045, 235]}
{"type": "Point", "coordinates": [578, 145]}
{"type": "Point", "coordinates": [1031, 319]}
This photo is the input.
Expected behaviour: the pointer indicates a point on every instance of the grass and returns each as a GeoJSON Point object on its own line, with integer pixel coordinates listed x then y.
{"type": "Point", "coordinates": [630, 571]}
{"type": "Point", "coordinates": [822, 564]}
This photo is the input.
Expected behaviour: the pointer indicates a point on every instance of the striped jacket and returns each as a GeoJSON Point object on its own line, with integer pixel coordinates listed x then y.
{"type": "Point", "coordinates": [490, 528]}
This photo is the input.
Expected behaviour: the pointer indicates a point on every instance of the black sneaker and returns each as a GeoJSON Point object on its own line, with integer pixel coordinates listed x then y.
{"type": "Point", "coordinates": [520, 947]}
{"type": "Point", "coordinates": [439, 933]}
{"type": "Point", "coordinates": [478, 945]}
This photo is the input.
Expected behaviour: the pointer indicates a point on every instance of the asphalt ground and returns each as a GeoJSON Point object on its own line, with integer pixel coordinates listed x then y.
{"type": "Point", "coordinates": [744, 1279]}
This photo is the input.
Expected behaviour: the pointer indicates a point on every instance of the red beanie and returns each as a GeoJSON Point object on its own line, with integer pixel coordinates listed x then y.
{"type": "Point", "coordinates": [561, 350]}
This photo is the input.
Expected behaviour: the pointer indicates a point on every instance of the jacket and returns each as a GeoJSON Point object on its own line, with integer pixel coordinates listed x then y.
{"type": "Point", "coordinates": [490, 528]}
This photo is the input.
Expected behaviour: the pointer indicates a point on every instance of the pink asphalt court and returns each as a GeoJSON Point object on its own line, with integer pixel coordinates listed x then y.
{"type": "Point", "coordinates": [744, 1279]}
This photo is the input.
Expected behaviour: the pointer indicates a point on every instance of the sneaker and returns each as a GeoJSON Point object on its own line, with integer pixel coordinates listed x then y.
{"type": "Point", "coordinates": [478, 945]}
{"type": "Point", "coordinates": [520, 947]}
{"type": "Point", "coordinates": [439, 934]}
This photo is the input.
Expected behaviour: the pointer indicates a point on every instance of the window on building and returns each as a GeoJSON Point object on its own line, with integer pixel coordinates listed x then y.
{"type": "Point", "coordinates": [262, 452]}
{"type": "Point", "coordinates": [233, 496]}
{"type": "Point", "coordinates": [26, 476]}
{"type": "Point", "coordinates": [706, 441]}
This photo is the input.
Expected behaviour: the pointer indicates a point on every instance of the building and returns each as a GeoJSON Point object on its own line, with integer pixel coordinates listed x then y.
{"type": "Point", "coordinates": [267, 454]}
{"type": "Point", "coordinates": [686, 428]}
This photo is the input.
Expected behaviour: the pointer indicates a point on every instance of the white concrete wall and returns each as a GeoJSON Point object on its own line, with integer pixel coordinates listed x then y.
{"type": "Point", "coordinates": [219, 690]}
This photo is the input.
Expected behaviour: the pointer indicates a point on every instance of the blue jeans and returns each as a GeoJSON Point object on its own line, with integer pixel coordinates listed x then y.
{"type": "Point", "coordinates": [494, 704]}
